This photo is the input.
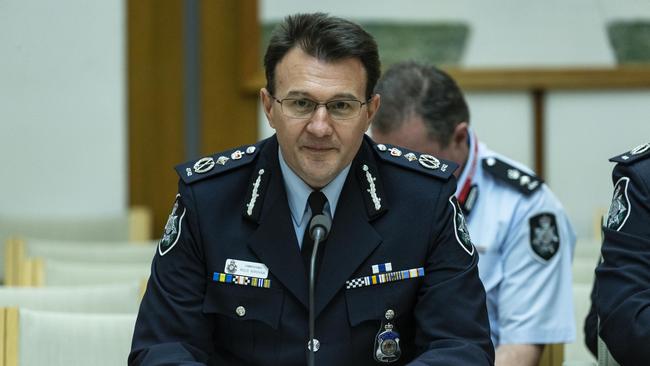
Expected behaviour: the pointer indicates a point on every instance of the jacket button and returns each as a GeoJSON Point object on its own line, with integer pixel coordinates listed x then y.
{"type": "Point", "coordinates": [316, 345]}
{"type": "Point", "coordinates": [241, 311]}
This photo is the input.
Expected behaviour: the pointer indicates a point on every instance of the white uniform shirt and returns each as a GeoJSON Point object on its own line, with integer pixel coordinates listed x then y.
{"type": "Point", "coordinates": [529, 299]}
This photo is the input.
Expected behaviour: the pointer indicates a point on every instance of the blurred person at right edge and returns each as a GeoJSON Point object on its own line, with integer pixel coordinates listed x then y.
{"type": "Point", "coordinates": [523, 236]}
{"type": "Point", "coordinates": [623, 277]}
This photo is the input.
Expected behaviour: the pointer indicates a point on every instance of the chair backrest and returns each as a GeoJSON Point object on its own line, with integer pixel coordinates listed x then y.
{"type": "Point", "coordinates": [19, 250]}
{"type": "Point", "coordinates": [36, 337]}
{"type": "Point", "coordinates": [70, 273]}
{"type": "Point", "coordinates": [119, 252]}
{"type": "Point", "coordinates": [134, 225]}
{"type": "Point", "coordinates": [110, 227]}
{"type": "Point", "coordinates": [118, 298]}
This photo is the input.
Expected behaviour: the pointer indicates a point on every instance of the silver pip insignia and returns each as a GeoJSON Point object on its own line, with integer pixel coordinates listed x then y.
{"type": "Point", "coordinates": [237, 155]}
{"type": "Point", "coordinates": [222, 160]}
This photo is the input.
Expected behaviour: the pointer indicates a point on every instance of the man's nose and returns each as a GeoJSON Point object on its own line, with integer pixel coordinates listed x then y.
{"type": "Point", "coordinates": [320, 123]}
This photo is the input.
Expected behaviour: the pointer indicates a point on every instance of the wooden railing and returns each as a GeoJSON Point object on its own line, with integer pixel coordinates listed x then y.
{"type": "Point", "coordinates": [536, 81]}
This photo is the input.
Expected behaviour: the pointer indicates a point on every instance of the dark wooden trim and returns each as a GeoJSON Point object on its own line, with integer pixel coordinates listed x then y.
{"type": "Point", "coordinates": [155, 103]}
{"type": "Point", "coordinates": [627, 77]}
{"type": "Point", "coordinates": [229, 117]}
{"type": "Point", "coordinates": [249, 33]}
{"type": "Point", "coordinates": [624, 77]}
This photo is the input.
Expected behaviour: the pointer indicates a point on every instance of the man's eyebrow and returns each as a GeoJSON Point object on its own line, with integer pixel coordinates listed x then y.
{"type": "Point", "coordinates": [304, 94]}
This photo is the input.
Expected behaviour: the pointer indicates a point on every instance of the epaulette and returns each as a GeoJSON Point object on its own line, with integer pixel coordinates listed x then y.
{"type": "Point", "coordinates": [195, 170]}
{"type": "Point", "coordinates": [423, 163]}
{"type": "Point", "coordinates": [513, 176]}
{"type": "Point", "coordinates": [638, 153]}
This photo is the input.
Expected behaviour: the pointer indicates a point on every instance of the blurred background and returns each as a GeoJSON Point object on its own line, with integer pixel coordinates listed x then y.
{"type": "Point", "coordinates": [99, 99]}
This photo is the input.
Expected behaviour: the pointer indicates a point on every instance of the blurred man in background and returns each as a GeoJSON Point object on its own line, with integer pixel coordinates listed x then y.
{"type": "Point", "coordinates": [523, 236]}
{"type": "Point", "coordinates": [623, 276]}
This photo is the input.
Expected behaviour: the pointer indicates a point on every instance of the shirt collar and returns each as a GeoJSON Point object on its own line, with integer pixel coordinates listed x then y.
{"type": "Point", "coordinates": [298, 191]}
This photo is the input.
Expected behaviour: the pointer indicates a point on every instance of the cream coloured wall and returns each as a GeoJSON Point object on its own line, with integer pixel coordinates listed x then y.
{"type": "Point", "coordinates": [62, 107]}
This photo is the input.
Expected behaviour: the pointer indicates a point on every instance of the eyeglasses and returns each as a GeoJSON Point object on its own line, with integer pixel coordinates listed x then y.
{"type": "Point", "coordinates": [303, 108]}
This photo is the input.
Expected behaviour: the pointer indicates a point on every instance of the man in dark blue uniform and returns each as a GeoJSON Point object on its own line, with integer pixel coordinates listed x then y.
{"type": "Point", "coordinates": [397, 278]}
{"type": "Point", "coordinates": [623, 277]}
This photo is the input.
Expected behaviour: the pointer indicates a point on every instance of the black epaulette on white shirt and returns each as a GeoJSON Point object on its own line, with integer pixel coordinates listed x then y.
{"type": "Point", "coordinates": [638, 153]}
{"type": "Point", "coordinates": [423, 163]}
{"type": "Point", "coordinates": [209, 166]}
{"type": "Point", "coordinates": [516, 178]}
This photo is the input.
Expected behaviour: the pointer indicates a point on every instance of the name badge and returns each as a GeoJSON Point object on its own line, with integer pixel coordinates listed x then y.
{"type": "Point", "coordinates": [245, 268]}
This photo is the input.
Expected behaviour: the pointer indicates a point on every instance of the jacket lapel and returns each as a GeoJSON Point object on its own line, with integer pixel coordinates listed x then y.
{"type": "Point", "coordinates": [352, 238]}
{"type": "Point", "coordinates": [274, 241]}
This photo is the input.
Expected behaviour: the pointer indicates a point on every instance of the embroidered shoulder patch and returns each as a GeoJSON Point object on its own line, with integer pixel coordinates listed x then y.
{"type": "Point", "coordinates": [638, 153]}
{"type": "Point", "coordinates": [173, 227]}
{"type": "Point", "coordinates": [460, 227]}
{"type": "Point", "coordinates": [513, 176]}
{"type": "Point", "coordinates": [208, 166]}
{"type": "Point", "coordinates": [424, 163]}
{"type": "Point", "coordinates": [544, 236]}
{"type": "Point", "coordinates": [619, 209]}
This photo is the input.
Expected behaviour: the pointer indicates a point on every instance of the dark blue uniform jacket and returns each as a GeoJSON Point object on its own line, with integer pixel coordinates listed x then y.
{"type": "Point", "coordinates": [623, 278]}
{"type": "Point", "coordinates": [188, 318]}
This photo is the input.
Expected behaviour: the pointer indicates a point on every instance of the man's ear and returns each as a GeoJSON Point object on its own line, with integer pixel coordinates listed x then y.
{"type": "Point", "coordinates": [373, 107]}
{"type": "Point", "coordinates": [460, 134]}
{"type": "Point", "coordinates": [267, 105]}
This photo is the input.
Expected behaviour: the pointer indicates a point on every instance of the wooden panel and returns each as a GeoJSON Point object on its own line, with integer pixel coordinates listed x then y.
{"type": "Point", "coordinates": [624, 77]}
{"type": "Point", "coordinates": [155, 104]}
{"type": "Point", "coordinates": [3, 337]}
{"type": "Point", "coordinates": [11, 336]}
{"type": "Point", "coordinates": [539, 133]}
{"type": "Point", "coordinates": [553, 355]}
{"type": "Point", "coordinates": [9, 260]}
{"type": "Point", "coordinates": [229, 56]}
{"type": "Point", "coordinates": [552, 79]}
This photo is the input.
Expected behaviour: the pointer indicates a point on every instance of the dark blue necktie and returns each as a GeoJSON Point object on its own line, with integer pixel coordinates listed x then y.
{"type": "Point", "coordinates": [316, 202]}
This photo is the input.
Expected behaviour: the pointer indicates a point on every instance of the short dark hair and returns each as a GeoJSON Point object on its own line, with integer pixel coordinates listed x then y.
{"type": "Point", "coordinates": [410, 89]}
{"type": "Point", "coordinates": [325, 37]}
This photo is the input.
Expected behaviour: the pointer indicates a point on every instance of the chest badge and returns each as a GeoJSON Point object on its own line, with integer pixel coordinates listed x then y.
{"type": "Point", "coordinates": [387, 347]}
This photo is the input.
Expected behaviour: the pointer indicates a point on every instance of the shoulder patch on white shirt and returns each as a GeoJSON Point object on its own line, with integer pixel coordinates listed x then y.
{"type": "Point", "coordinates": [544, 236]}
